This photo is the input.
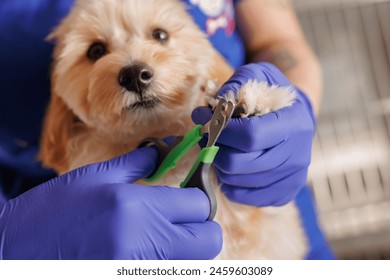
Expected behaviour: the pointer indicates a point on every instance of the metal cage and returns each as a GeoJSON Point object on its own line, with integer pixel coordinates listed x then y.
{"type": "Point", "coordinates": [350, 170]}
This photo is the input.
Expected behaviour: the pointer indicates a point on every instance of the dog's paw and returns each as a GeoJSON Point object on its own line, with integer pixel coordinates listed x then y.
{"type": "Point", "coordinates": [258, 98]}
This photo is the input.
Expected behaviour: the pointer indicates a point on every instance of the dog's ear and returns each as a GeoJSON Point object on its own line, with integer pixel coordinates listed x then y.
{"type": "Point", "coordinates": [56, 132]}
{"type": "Point", "coordinates": [221, 71]}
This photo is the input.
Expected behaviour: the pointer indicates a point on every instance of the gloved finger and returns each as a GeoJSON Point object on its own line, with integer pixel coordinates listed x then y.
{"type": "Point", "coordinates": [177, 205]}
{"type": "Point", "coordinates": [255, 71]}
{"type": "Point", "coordinates": [277, 194]}
{"type": "Point", "coordinates": [203, 240]}
{"type": "Point", "coordinates": [170, 140]}
{"type": "Point", "coordinates": [139, 163]}
{"type": "Point", "coordinates": [273, 75]}
{"type": "Point", "coordinates": [248, 134]}
{"type": "Point", "coordinates": [127, 168]}
{"type": "Point", "coordinates": [240, 77]}
{"type": "Point", "coordinates": [256, 180]}
{"type": "Point", "coordinates": [232, 161]}
{"type": "Point", "coordinates": [266, 131]}
{"type": "Point", "coordinates": [201, 115]}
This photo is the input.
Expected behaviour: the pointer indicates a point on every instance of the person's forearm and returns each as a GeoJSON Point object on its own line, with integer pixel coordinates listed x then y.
{"type": "Point", "coordinates": [272, 33]}
{"type": "Point", "coordinates": [299, 64]}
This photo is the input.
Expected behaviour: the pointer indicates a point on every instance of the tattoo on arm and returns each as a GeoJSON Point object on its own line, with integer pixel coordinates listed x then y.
{"type": "Point", "coordinates": [282, 58]}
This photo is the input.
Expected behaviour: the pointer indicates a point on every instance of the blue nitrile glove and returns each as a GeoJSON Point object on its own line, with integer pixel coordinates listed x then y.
{"type": "Point", "coordinates": [263, 160]}
{"type": "Point", "coordinates": [95, 212]}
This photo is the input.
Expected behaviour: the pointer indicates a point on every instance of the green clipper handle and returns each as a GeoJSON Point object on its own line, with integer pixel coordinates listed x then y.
{"type": "Point", "coordinates": [190, 139]}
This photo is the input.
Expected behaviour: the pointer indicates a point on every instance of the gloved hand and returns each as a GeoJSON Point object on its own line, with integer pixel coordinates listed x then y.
{"type": "Point", "coordinates": [263, 160]}
{"type": "Point", "coordinates": [95, 212]}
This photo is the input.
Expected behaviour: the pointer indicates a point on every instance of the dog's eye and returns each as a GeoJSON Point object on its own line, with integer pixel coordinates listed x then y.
{"type": "Point", "coordinates": [96, 51]}
{"type": "Point", "coordinates": [160, 35]}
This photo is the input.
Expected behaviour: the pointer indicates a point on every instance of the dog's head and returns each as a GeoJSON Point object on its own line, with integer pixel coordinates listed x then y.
{"type": "Point", "coordinates": [128, 62]}
{"type": "Point", "coordinates": [121, 67]}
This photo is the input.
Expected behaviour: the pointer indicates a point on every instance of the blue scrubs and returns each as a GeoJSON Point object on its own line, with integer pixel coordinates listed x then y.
{"type": "Point", "coordinates": [24, 87]}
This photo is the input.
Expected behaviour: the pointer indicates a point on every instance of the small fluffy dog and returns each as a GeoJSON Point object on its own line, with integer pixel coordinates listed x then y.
{"type": "Point", "coordinates": [126, 70]}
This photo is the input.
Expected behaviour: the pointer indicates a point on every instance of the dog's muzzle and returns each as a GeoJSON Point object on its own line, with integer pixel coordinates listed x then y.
{"type": "Point", "coordinates": [135, 78]}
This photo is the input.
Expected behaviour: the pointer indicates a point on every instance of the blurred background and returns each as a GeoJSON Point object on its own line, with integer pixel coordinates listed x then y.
{"type": "Point", "coordinates": [350, 171]}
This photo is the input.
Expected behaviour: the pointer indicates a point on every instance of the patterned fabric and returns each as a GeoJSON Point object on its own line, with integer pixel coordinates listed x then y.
{"type": "Point", "coordinates": [217, 19]}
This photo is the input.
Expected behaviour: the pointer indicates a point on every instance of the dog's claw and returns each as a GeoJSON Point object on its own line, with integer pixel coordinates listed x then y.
{"type": "Point", "coordinates": [240, 110]}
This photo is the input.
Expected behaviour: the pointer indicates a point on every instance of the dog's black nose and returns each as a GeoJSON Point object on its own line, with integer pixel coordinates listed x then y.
{"type": "Point", "coordinates": [136, 77]}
